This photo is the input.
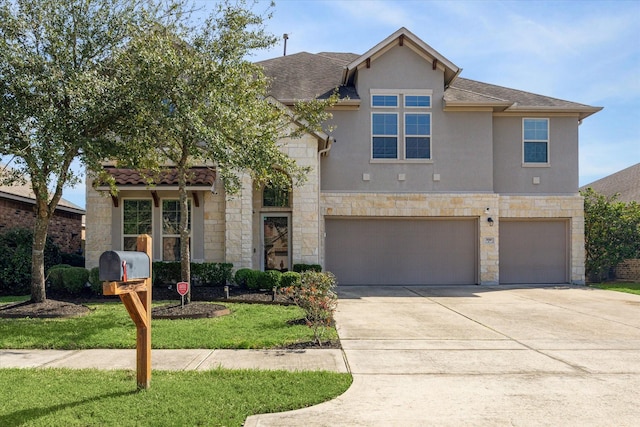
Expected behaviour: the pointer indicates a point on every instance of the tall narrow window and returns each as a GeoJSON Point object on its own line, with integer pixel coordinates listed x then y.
{"type": "Point", "coordinates": [171, 229]}
{"type": "Point", "coordinates": [384, 130]}
{"type": "Point", "coordinates": [136, 220]}
{"type": "Point", "coordinates": [535, 140]}
{"type": "Point", "coordinates": [417, 131]}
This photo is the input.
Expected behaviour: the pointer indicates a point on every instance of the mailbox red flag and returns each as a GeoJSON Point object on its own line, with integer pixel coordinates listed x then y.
{"type": "Point", "coordinates": [182, 288]}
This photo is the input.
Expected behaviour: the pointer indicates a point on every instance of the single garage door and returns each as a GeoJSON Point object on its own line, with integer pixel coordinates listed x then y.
{"type": "Point", "coordinates": [366, 251]}
{"type": "Point", "coordinates": [534, 251]}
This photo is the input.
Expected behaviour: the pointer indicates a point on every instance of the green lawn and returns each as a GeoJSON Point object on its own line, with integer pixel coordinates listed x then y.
{"type": "Point", "coordinates": [631, 288]}
{"type": "Point", "coordinates": [64, 397]}
{"type": "Point", "coordinates": [109, 326]}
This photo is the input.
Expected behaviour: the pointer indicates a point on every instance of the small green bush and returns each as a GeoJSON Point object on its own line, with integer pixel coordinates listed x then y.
{"type": "Point", "coordinates": [74, 279]}
{"type": "Point", "coordinates": [73, 260]}
{"type": "Point", "coordinates": [15, 260]}
{"type": "Point", "coordinates": [270, 279]}
{"type": "Point", "coordinates": [54, 276]}
{"type": "Point", "coordinates": [212, 273]}
{"type": "Point", "coordinates": [254, 279]}
{"type": "Point", "coordinates": [300, 267]}
{"type": "Point", "coordinates": [94, 280]}
{"type": "Point", "coordinates": [165, 272]}
{"type": "Point", "coordinates": [240, 278]}
{"type": "Point", "coordinates": [290, 278]}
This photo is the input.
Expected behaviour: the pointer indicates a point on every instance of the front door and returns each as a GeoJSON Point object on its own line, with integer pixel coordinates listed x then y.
{"type": "Point", "coordinates": [276, 242]}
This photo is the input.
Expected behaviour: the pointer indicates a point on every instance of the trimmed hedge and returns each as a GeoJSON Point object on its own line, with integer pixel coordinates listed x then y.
{"type": "Point", "coordinates": [67, 279]}
{"type": "Point", "coordinates": [202, 274]}
{"type": "Point", "coordinates": [290, 278]}
{"type": "Point", "coordinates": [300, 267]}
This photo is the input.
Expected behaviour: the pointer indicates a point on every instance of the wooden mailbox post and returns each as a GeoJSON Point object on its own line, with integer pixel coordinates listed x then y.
{"type": "Point", "coordinates": [136, 297]}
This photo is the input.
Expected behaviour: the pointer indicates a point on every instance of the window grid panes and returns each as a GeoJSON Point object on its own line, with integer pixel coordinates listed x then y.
{"type": "Point", "coordinates": [536, 140]}
{"type": "Point", "coordinates": [421, 101]}
{"type": "Point", "coordinates": [384, 100]}
{"type": "Point", "coordinates": [385, 135]}
{"type": "Point", "coordinates": [417, 136]}
{"type": "Point", "coordinates": [171, 229]}
{"type": "Point", "coordinates": [136, 220]}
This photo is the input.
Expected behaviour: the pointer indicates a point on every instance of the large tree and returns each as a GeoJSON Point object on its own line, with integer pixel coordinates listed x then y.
{"type": "Point", "coordinates": [62, 93]}
{"type": "Point", "coordinates": [202, 101]}
{"type": "Point", "coordinates": [612, 233]}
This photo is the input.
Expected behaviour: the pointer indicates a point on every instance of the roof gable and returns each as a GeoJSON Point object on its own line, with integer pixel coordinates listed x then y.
{"type": "Point", "coordinates": [404, 37]}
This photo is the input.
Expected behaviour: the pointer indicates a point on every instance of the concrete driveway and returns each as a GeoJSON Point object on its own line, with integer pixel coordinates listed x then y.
{"type": "Point", "coordinates": [483, 356]}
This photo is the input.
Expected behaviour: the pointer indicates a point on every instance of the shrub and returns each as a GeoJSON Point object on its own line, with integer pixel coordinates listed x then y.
{"type": "Point", "coordinates": [94, 280]}
{"type": "Point", "coordinates": [67, 279]}
{"type": "Point", "coordinates": [15, 260]}
{"type": "Point", "coordinates": [212, 273]}
{"type": "Point", "coordinates": [73, 260]}
{"type": "Point", "coordinates": [270, 279]}
{"type": "Point", "coordinates": [254, 279]}
{"type": "Point", "coordinates": [241, 276]}
{"type": "Point", "coordinates": [300, 267]}
{"type": "Point", "coordinates": [165, 272]}
{"type": "Point", "coordinates": [315, 295]}
{"type": "Point", "coordinates": [290, 278]}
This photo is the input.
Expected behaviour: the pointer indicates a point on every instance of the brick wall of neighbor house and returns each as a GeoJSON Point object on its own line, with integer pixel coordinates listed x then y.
{"type": "Point", "coordinates": [65, 228]}
{"type": "Point", "coordinates": [628, 270]}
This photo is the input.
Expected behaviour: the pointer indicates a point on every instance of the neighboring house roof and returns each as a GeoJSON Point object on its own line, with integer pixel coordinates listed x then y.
{"type": "Point", "coordinates": [201, 177]}
{"type": "Point", "coordinates": [625, 183]}
{"type": "Point", "coordinates": [24, 193]}
{"type": "Point", "coordinates": [305, 76]}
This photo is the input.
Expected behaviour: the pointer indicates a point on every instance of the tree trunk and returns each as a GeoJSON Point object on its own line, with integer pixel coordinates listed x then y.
{"type": "Point", "coordinates": [185, 256]}
{"type": "Point", "coordinates": [38, 292]}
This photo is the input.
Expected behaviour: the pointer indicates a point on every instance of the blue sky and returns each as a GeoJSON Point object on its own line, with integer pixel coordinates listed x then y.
{"type": "Point", "coordinates": [581, 51]}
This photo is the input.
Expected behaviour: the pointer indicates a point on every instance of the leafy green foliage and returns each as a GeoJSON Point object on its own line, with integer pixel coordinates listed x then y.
{"type": "Point", "coordinates": [300, 267]}
{"type": "Point", "coordinates": [205, 273]}
{"type": "Point", "coordinates": [218, 397]}
{"type": "Point", "coordinates": [15, 260]}
{"type": "Point", "coordinates": [67, 279]}
{"type": "Point", "coordinates": [612, 233]}
{"type": "Point", "coordinates": [64, 94]}
{"type": "Point", "coordinates": [254, 279]}
{"type": "Point", "coordinates": [315, 295]}
{"type": "Point", "coordinates": [240, 278]}
{"type": "Point", "coordinates": [94, 280]}
{"type": "Point", "coordinates": [290, 278]}
{"type": "Point", "coordinates": [270, 279]}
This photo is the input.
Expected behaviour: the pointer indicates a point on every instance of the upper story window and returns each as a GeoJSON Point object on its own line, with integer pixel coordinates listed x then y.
{"type": "Point", "coordinates": [401, 125]}
{"type": "Point", "coordinates": [136, 220]}
{"type": "Point", "coordinates": [275, 197]}
{"type": "Point", "coordinates": [535, 137]}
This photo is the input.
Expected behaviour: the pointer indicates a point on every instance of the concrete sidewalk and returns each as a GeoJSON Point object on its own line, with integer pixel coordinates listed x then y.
{"type": "Point", "coordinates": [179, 360]}
{"type": "Point", "coordinates": [483, 356]}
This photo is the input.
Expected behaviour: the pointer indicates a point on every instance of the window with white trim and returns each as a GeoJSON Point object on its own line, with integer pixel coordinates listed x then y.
{"type": "Point", "coordinates": [535, 141]}
{"type": "Point", "coordinates": [171, 228]}
{"type": "Point", "coordinates": [401, 124]}
{"type": "Point", "coordinates": [136, 220]}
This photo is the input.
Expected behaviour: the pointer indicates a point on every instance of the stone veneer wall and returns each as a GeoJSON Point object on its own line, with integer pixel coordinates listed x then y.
{"type": "Point", "coordinates": [569, 207]}
{"type": "Point", "coordinates": [65, 228]}
{"type": "Point", "coordinates": [98, 225]}
{"type": "Point", "coordinates": [481, 206]}
{"type": "Point", "coordinates": [238, 216]}
{"type": "Point", "coordinates": [214, 225]}
{"type": "Point", "coordinates": [628, 270]}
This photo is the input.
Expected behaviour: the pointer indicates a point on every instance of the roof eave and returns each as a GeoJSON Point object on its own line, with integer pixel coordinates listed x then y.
{"type": "Point", "coordinates": [582, 112]}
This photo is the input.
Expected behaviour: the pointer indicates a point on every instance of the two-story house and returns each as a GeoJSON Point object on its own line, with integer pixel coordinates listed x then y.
{"type": "Point", "coordinates": [425, 178]}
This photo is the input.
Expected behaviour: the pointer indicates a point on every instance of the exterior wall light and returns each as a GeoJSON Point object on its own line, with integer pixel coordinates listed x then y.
{"type": "Point", "coordinates": [490, 221]}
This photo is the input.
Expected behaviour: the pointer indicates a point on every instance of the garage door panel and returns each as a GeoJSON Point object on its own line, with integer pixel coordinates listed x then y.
{"type": "Point", "coordinates": [401, 252]}
{"type": "Point", "coordinates": [533, 251]}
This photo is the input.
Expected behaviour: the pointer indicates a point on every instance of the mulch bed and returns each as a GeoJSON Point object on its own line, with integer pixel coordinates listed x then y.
{"type": "Point", "coordinates": [50, 308]}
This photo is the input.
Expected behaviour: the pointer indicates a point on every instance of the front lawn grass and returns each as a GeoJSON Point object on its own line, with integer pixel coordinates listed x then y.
{"type": "Point", "coordinates": [630, 288]}
{"type": "Point", "coordinates": [65, 397]}
{"type": "Point", "coordinates": [109, 326]}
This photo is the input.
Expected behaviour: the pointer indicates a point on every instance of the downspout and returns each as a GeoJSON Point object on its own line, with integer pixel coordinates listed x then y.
{"type": "Point", "coordinates": [328, 143]}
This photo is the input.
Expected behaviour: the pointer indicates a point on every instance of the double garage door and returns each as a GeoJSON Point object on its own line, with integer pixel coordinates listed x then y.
{"type": "Point", "coordinates": [372, 251]}
{"type": "Point", "coordinates": [399, 251]}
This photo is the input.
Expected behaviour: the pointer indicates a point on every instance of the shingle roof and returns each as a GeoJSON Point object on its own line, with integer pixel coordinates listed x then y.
{"type": "Point", "coordinates": [201, 177]}
{"type": "Point", "coordinates": [626, 183]}
{"type": "Point", "coordinates": [24, 192]}
{"type": "Point", "coordinates": [305, 76]}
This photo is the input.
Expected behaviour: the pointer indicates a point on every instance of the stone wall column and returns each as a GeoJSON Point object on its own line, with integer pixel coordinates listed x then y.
{"type": "Point", "coordinates": [238, 233]}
